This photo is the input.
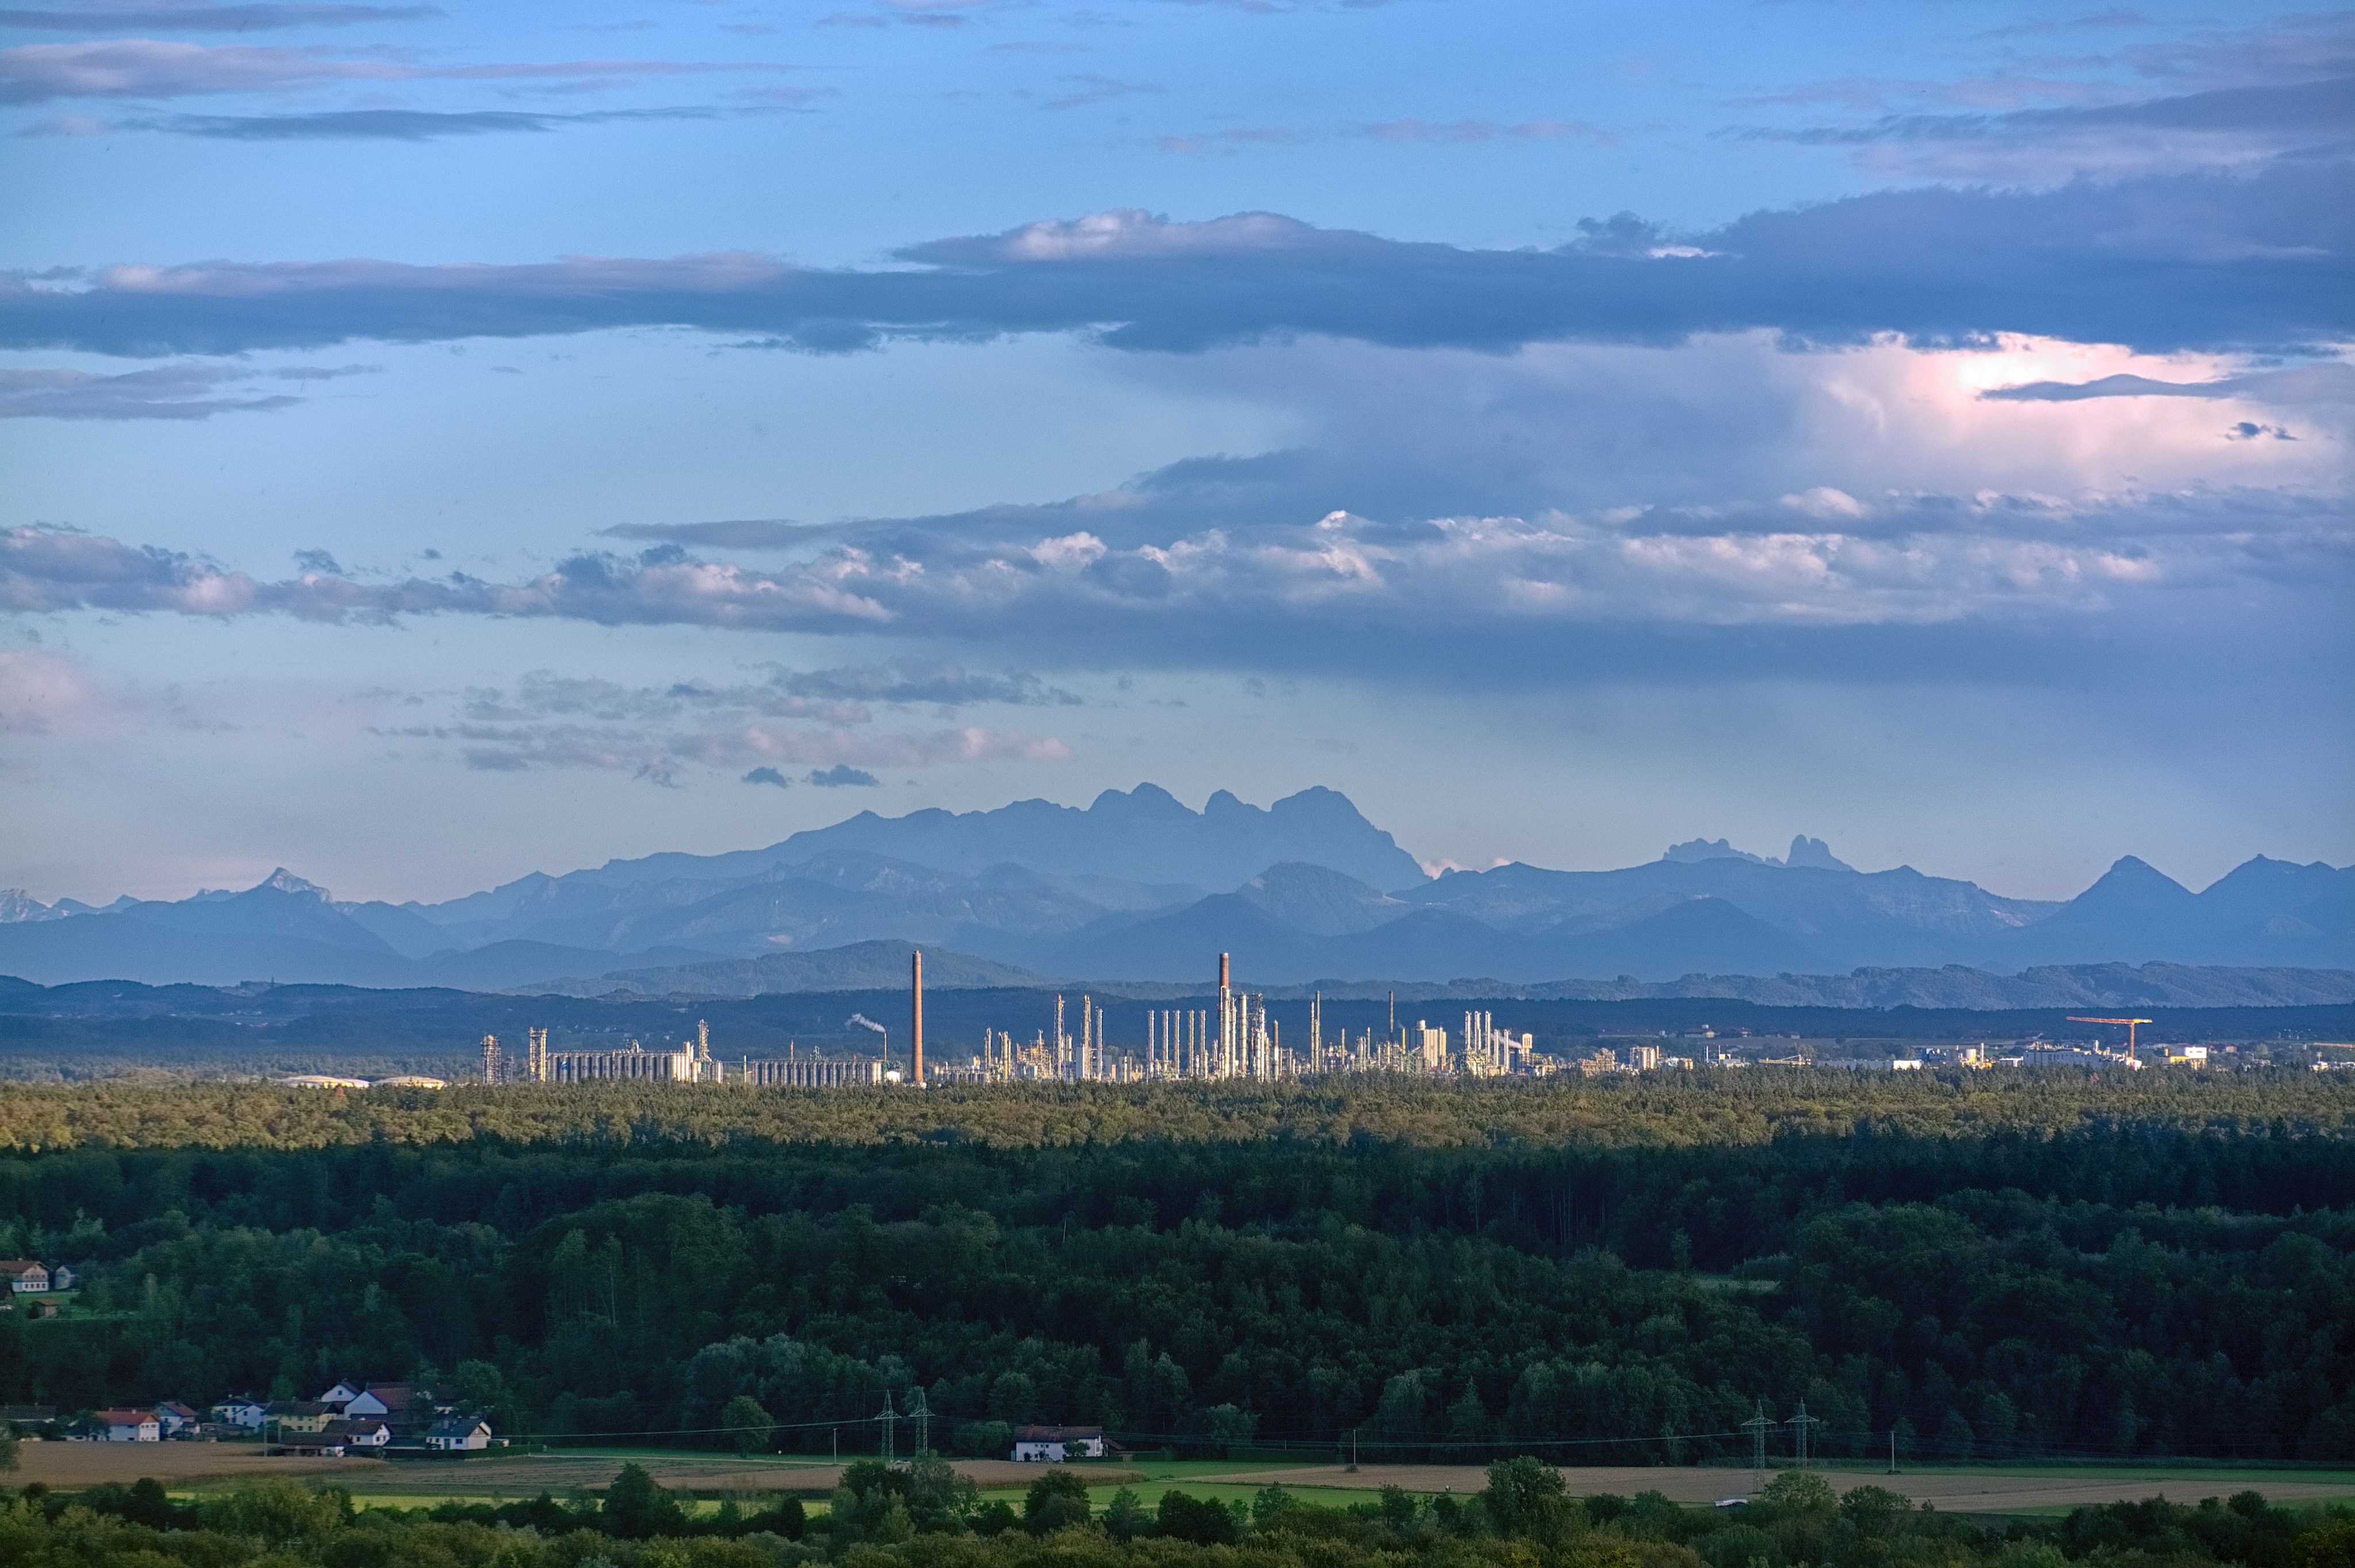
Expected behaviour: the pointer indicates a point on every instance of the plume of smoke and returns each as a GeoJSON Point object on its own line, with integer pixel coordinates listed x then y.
{"type": "Point", "coordinates": [860, 1021]}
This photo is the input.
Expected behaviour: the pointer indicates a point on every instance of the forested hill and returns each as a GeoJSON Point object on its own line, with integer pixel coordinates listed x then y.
{"type": "Point", "coordinates": [1710, 1105]}
{"type": "Point", "coordinates": [2010, 1263]}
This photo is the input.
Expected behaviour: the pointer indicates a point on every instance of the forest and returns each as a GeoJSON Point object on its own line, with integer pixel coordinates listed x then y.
{"type": "Point", "coordinates": [1605, 1271]}
{"type": "Point", "coordinates": [922, 1516]}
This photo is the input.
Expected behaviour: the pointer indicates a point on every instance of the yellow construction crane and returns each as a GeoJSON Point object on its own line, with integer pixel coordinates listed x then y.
{"type": "Point", "coordinates": [2129, 1023]}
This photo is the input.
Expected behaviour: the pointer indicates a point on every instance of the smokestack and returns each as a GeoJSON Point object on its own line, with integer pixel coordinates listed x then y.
{"type": "Point", "coordinates": [916, 1030]}
{"type": "Point", "coordinates": [1222, 972]}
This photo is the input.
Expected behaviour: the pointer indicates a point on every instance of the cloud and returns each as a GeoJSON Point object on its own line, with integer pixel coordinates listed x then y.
{"type": "Point", "coordinates": [663, 757]}
{"type": "Point", "coordinates": [1087, 89]}
{"type": "Point", "coordinates": [202, 18]}
{"type": "Point", "coordinates": [2196, 261]}
{"type": "Point", "coordinates": [840, 777]}
{"type": "Point", "coordinates": [156, 67]}
{"type": "Point", "coordinates": [1524, 598]}
{"type": "Point", "coordinates": [745, 534]}
{"type": "Point", "coordinates": [42, 692]}
{"type": "Point", "coordinates": [389, 124]}
{"type": "Point", "coordinates": [2225, 128]}
{"type": "Point", "coordinates": [165, 392]}
{"type": "Point", "coordinates": [944, 683]}
{"type": "Point", "coordinates": [1463, 132]}
{"type": "Point", "coordinates": [767, 775]}
{"type": "Point", "coordinates": [2331, 382]}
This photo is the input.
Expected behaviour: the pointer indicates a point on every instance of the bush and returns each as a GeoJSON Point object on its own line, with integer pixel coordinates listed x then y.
{"type": "Point", "coordinates": [1057, 1500]}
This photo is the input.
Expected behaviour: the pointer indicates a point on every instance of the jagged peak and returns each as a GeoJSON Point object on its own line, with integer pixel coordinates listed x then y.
{"type": "Point", "coordinates": [284, 881]}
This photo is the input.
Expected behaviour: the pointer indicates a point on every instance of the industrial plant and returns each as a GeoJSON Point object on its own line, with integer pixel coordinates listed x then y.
{"type": "Point", "coordinates": [1235, 1038]}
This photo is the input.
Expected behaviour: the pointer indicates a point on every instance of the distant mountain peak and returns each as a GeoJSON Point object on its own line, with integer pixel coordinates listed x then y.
{"type": "Point", "coordinates": [1693, 850]}
{"type": "Point", "coordinates": [1815, 853]}
{"type": "Point", "coordinates": [1806, 853]}
{"type": "Point", "coordinates": [17, 906]}
{"type": "Point", "coordinates": [284, 881]}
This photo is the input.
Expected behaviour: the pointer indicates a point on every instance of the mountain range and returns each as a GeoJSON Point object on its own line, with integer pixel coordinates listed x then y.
{"type": "Point", "coordinates": [1138, 887]}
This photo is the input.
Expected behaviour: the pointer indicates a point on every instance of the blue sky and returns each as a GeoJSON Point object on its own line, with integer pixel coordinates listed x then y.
{"type": "Point", "coordinates": [442, 442]}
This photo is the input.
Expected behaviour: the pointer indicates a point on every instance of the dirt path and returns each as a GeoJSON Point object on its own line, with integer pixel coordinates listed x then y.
{"type": "Point", "coordinates": [1955, 1491]}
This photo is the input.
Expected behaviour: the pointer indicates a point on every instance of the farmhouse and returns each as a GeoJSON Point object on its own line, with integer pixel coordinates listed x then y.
{"type": "Point", "coordinates": [1053, 1444]}
{"type": "Point", "coordinates": [363, 1435]}
{"type": "Point", "coordinates": [458, 1434]}
{"type": "Point", "coordinates": [23, 1277]}
{"type": "Point", "coordinates": [297, 1416]}
{"type": "Point", "coordinates": [131, 1425]}
{"type": "Point", "coordinates": [241, 1410]}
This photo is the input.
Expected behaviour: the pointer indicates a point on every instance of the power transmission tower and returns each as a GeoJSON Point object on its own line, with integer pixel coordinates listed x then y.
{"type": "Point", "coordinates": [890, 1419]}
{"type": "Point", "coordinates": [1758, 1427]}
{"type": "Point", "coordinates": [921, 1413]}
{"type": "Point", "coordinates": [1799, 1424]}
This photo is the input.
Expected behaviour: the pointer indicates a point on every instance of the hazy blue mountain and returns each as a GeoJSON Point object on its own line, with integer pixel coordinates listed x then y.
{"type": "Point", "coordinates": [1117, 890]}
{"type": "Point", "coordinates": [1842, 917]}
{"type": "Point", "coordinates": [1185, 945]}
{"type": "Point", "coordinates": [859, 965]}
{"type": "Point", "coordinates": [1144, 836]}
{"type": "Point", "coordinates": [1806, 851]}
{"type": "Point", "coordinates": [280, 904]}
{"type": "Point", "coordinates": [2264, 912]}
{"type": "Point", "coordinates": [1320, 901]}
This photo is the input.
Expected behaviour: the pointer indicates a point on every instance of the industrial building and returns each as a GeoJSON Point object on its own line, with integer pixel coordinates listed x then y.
{"type": "Point", "coordinates": [1234, 1039]}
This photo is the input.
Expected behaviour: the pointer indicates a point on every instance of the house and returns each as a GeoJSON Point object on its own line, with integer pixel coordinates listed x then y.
{"type": "Point", "coordinates": [1053, 1444]}
{"type": "Point", "coordinates": [454, 1434]}
{"type": "Point", "coordinates": [389, 1401]}
{"type": "Point", "coordinates": [131, 1425]}
{"type": "Point", "coordinates": [64, 1277]}
{"type": "Point", "coordinates": [24, 1277]}
{"type": "Point", "coordinates": [342, 1393]}
{"type": "Point", "coordinates": [176, 1418]}
{"type": "Point", "coordinates": [364, 1435]}
{"type": "Point", "coordinates": [291, 1417]}
{"type": "Point", "coordinates": [241, 1410]}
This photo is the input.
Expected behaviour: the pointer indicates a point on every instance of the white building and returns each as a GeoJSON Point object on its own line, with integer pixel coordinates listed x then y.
{"type": "Point", "coordinates": [25, 1277]}
{"type": "Point", "coordinates": [132, 1425]}
{"type": "Point", "coordinates": [364, 1434]}
{"type": "Point", "coordinates": [1053, 1444]}
{"type": "Point", "coordinates": [458, 1434]}
{"type": "Point", "coordinates": [240, 1410]}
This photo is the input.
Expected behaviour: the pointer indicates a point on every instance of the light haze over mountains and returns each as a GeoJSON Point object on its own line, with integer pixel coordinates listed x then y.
{"type": "Point", "coordinates": [1140, 887]}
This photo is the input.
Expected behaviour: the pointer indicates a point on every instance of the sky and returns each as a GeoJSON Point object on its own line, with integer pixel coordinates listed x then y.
{"type": "Point", "coordinates": [440, 442]}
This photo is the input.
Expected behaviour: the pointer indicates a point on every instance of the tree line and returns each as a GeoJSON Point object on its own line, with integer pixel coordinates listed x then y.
{"type": "Point", "coordinates": [1600, 1274]}
{"type": "Point", "coordinates": [925, 1516]}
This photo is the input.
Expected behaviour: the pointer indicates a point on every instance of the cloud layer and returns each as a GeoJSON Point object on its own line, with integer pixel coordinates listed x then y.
{"type": "Point", "coordinates": [2194, 261]}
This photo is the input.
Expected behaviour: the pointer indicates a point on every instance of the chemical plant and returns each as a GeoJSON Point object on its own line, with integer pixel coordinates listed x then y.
{"type": "Point", "coordinates": [1234, 1039]}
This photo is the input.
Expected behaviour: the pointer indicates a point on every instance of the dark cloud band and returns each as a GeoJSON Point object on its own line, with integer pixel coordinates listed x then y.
{"type": "Point", "coordinates": [2202, 262]}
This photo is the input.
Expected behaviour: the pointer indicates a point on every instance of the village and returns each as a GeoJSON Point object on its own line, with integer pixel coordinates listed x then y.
{"type": "Point", "coordinates": [352, 1420]}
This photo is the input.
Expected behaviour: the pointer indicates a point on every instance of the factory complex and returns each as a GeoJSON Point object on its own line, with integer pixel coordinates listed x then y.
{"type": "Point", "coordinates": [1235, 1039]}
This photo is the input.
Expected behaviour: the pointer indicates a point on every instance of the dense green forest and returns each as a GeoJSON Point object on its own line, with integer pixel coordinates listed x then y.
{"type": "Point", "coordinates": [922, 1516]}
{"type": "Point", "coordinates": [1617, 1270]}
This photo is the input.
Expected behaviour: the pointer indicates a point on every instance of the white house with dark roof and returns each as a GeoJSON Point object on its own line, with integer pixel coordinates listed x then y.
{"type": "Point", "coordinates": [241, 1410]}
{"type": "Point", "coordinates": [1053, 1444]}
{"type": "Point", "coordinates": [458, 1434]}
{"type": "Point", "coordinates": [23, 1275]}
{"type": "Point", "coordinates": [131, 1425]}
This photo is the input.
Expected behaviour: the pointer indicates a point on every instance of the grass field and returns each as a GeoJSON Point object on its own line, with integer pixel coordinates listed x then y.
{"type": "Point", "coordinates": [2022, 1489]}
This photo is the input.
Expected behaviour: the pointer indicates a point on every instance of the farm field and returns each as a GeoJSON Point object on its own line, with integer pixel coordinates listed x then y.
{"type": "Point", "coordinates": [2011, 1490]}
{"type": "Point", "coordinates": [69, 1467]}
{"type": "Point", "coordinates": [2022, 1489]}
